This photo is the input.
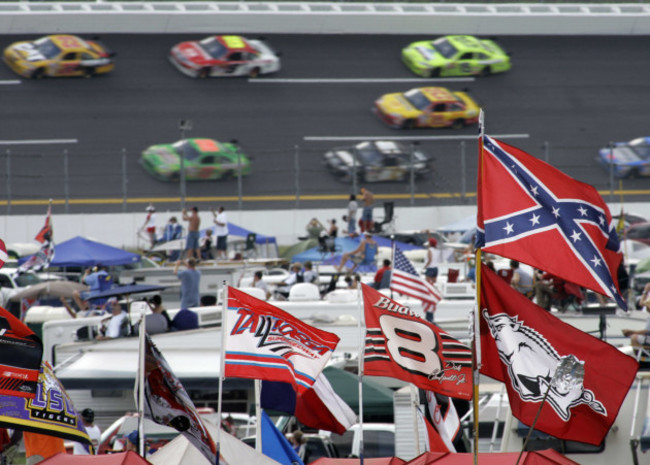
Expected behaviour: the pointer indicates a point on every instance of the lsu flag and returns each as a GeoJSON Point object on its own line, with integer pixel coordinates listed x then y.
{"type": "Point", "coordinates": [264, 342]}
{"type": "Point", "coordinates": [167, 403]}
{"type": "Point", "coordinates": [21, 352]}
{"type": "Point", "coordinates": [401, 344]}
{"type": "Point", "coordinates": [533, 213]}
{"type": "Point", "coordinates": [521, 345]}
{"type": "Point", "coordinates": [50, 412]}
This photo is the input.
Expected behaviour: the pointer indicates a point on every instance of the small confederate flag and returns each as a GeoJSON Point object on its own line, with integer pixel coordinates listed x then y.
{"type": "Point", "coordinates": [534, 213]}
{"type": "Point", "coordinates": [264, 342]}
{"type": "Point", "coordinates": [401, 344]}
{"type": "Point", "coordinates": [405, 280]}
{"type": "Point", "coordinates": [521, 346]}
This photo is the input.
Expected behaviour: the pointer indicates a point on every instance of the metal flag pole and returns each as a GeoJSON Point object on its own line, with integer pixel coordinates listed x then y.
{"type": "Point", "coordinates": [222, 362]}
{"type": "Point", "coordinates": [475, 342]}
{"type": "Point", "coordinates": [141, 381]}
{"type": "Point", "coordinates": [360, 368]}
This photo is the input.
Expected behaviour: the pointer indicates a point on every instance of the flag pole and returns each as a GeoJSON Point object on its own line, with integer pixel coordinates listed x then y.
{"type": "Point", "coordinates": [222, 363]}
{"type": "Point", "coordinates": [477, 309]}
{"type": "Point", "coordinates": [141, 376]}
{"type": "Point", "coordinates": [360, 369]}
{"type": "Point", "coordinates": [415, 396]}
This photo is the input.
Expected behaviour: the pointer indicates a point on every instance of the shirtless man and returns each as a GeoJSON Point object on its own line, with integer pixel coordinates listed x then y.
{"type": "Point", "coordinates": [194, 222]}
{"type": "Point", "coordinates": [367, 200]}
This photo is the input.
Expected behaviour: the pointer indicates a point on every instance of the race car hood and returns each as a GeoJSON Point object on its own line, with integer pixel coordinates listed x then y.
{"type": "Point", "coordinates": [341, 157]}
{"type": "Point", "coordinates": [396, 104]}
{"type": "Point", "coordinates": [192, 52]}
{"type": "Point", "coordinates": [621, 155]}
{"type": "Point", "coordinates": [26, 51]}
{"type": "Point", "coordinates": [162, 156]}
{"type": "Point", "coordinates": [424, 51]}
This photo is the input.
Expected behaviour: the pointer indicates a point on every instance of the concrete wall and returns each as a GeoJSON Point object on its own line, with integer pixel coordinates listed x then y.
{"type": "Point", "coordinates": [325, 18]}
{"type": "Point", "coordinates": [120, 229]}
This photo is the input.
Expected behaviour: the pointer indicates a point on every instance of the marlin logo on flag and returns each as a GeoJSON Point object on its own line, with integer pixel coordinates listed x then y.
{"type": "Point", "coordinates": [264, 342]}
{"type": "Point", "coordinates": [533, 213]}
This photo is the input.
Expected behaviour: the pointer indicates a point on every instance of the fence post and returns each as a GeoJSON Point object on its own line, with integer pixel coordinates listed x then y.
{"type": "Point", "coordinates": [412, 173]}
{"type": "Point", "coordinates": [8, 181]}
{"type": "Point", "coordinates": [297, 169]}
{"type": "Point", "coordinates": [66, 182]}
{"type": "Point", "coordinates": [547, 149]}
{"type": "Point", "coordinates": [239, 182]}
{"type": "Point", "coordinates": [611, 171]}
{"type": "Point", "coordinates": [125, 181]}
{"type": "Point", "coordinates": [463, 169]}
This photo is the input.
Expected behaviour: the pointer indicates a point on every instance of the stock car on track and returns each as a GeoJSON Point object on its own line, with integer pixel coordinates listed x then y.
{"type": "Point", "coordinates": [205, 159]}
{"type": "Point", "coordinates": [375, 161]}
{"type": "Point", "coordinates": [224, 56]}
{"type": "Point", "coordinates": [434, 107]}
{"type": "Point", "coordinates": [627, 159]}
{"type": "Point", "coordinates": [58, 55]}
{"type": "Point", "coordinates": [455, 56]}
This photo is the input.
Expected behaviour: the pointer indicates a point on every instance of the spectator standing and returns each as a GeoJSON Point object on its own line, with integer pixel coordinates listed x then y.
{"type": "Point", "coordinates": [97, 280]}
{"type": "Point", "coordinates": [259, 283]}
{"type": "Point", "coordinates": [353, 206]}
{"type": "Point", "coordinates": [190, 280]}
{"type": "Point", "coordinates": [172, 231]}
{"type": "Point", "coordinates": [221, 220]}
{"type": "Point", "coordinates": [314, 229]}
{"type": "Point", "coordinates": [367, 200]}
{"type": "Point", "coordinates": [641, 338]}
{"type": "Point", "coordinates": [150, 225]}
{"type": "Point", "coordinates": [194, 223]}
{"type": "Point", "coordinates": [206, 246]}
{"type": "Point", "coordinates": [118, 323]}
{"type": "Point", "coordinates": [94, 433]}
{"type": "Point", "coordinates": [434, 258]}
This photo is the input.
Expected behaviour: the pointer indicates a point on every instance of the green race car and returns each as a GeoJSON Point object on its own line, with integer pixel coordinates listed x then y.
{"type": "Point", "coordinates": [205, 159]}
{"type": "Point", "coordinates": [455, 56]}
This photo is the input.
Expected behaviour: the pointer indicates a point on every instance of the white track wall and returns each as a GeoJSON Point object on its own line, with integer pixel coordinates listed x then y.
{"type": "Point", "coordinates": [324, 18]}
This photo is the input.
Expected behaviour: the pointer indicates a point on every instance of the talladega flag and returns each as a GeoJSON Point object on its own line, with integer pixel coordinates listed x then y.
{"type": "Point", "coordinates": [521, 345]}
{"type": "Point", "coordinates": [167, 402]}
{"type": "Point", "coordinates": [403, 345]}
{"type": "Point", "coordinates": [533, 213]}
{"type": "Point", "coordinates": [50, 413]}
{"type": "Point", "coordinates": [264, 342]}
{"type": "Point", "coordinates": [21, 352]}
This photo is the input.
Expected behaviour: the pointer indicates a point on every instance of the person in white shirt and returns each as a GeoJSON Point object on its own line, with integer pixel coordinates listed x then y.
{"type": "Point", "coordinates": [150, 225]}
{"type": "Point", "coordinates": [282, 292]}
{"type": "Point", "coordinates": [309, 275]}
{"type": "Point", "coordinates": [353, 206]}
{"type": "Point", "coordinates": [94, 433]}
{"type": "Point", "coordinates": [221, 231]}
{"type": "Point", "coordinates": [118, 323]}
{"type": "Point", "coordinates": [434, 258]}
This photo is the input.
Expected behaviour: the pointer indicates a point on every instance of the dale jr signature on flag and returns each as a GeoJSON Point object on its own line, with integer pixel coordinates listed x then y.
{"type": "Point", "coordinates": [531, 212]}
{"type": "Point", "coordinates": [264, 342]}
{"type": "Point", "coordinates": [403, 345]}
{"type": "Point", "coordinates": [521, 345]}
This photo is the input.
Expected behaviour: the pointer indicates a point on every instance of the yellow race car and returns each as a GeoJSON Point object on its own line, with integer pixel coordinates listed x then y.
{"type": "Point", "coordinates": [434, 107]}
{"type": "Point", "coordinates": [58, 55]}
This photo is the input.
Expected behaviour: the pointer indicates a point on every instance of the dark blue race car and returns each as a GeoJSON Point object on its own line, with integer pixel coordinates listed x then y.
{"type": "Point", "coordinates": [627, 159]}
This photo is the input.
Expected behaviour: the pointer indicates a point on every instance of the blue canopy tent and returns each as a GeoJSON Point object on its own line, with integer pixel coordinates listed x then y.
{"type": "Point", "coordinates": [261, 240]}
{"type": "Point", "coordinates": [80, 251]}
{"type": "Point", "coordinates": [344, 245]}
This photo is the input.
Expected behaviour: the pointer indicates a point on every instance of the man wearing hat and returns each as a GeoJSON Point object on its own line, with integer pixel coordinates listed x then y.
{"type": "Point", "coordinates": [88, 418]}
{"type": "Point", "coordinates": [434, 257]}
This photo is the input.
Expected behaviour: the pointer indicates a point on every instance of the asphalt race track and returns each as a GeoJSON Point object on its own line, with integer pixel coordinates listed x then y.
{"type": "Point", "coordinates": [564, 98]}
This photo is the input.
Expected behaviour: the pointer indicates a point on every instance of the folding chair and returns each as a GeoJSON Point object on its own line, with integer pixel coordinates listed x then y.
{"type": "Point", "coordinates": [388, 222]}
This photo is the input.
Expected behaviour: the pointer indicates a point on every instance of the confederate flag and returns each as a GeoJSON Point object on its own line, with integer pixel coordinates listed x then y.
{"type": "Point", "coordinates": [521, 345]}
{"type": "Point", "coordinates": [531, 212]}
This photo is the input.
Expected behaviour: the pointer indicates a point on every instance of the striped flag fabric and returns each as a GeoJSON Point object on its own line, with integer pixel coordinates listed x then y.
{"type": "Point", "coordinates": [267, 343]}
{"type": "Point", "coordinates": [405, 280]}
{"type": "Point", "coordinates": [3, 253]}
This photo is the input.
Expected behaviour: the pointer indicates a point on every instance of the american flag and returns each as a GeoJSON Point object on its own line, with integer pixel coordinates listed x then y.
{"type": "Point", "coordinates": [405, 280]}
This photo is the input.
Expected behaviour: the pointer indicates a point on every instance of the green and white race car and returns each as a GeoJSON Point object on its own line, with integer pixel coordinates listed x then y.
{"type": "Point", "coordinates": [455, 56]}
{"type": "Point", "coordinates": [205, 159]}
